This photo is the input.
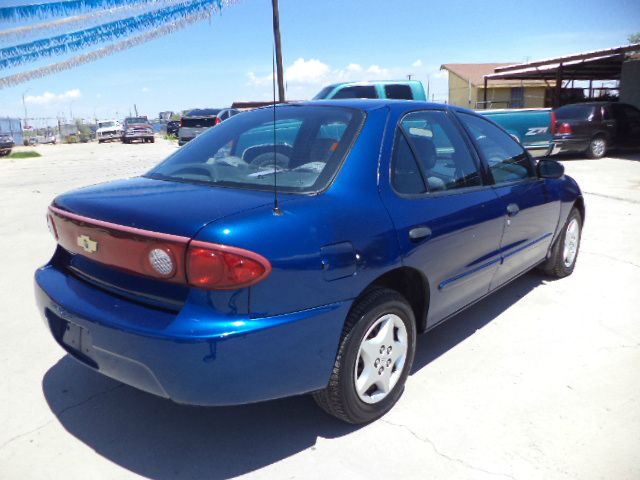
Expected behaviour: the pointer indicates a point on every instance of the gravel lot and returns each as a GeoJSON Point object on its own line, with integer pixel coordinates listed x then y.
{"type": "Point", "coordinates": [539, 381]}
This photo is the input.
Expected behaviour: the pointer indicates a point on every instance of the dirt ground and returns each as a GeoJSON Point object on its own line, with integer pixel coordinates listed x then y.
{"type": "Point", "coordinates": [539, 381]}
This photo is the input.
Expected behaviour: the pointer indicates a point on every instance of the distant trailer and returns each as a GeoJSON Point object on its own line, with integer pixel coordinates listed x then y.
{"type": "Point", "coordinates": [13, 127]}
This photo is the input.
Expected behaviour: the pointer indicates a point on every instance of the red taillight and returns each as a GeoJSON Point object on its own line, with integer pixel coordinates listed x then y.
{"type": "Point", "coordinates": [224, 268]}
{"type": "Point", "coordinates": [565, 128]}
{"type": "Point", "coordinates": [166, 257]}
{"type": "Point", "coordinates": [181, 122]}
{"type": "Point", "coordinates": [218, 121]}
{"type": "Point", "coordinates": [554, 119]}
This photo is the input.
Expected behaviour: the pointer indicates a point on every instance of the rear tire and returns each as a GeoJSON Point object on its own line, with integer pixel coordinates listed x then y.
{"type": "Point", "coordinates": [564, 252]}
{"type": "Point", "coordinates": [374, 358]}
{"type": "Point", "coordinates": [597, 147]}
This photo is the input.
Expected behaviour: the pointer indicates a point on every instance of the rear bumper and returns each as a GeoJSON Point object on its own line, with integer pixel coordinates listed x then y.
{"type": "Point", "coordinates": [570, 144]}
{"type": "Point", "coordinates": [195, 356]}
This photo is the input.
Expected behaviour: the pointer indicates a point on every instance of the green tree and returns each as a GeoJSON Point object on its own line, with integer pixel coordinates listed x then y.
{"type": "Point", "coordinates": [635, 38]}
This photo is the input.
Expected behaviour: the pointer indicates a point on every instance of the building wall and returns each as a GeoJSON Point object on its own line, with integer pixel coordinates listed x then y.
{"type": "Point", "coordinates": [630, 83]}
{"type": "Point", "coordinates": [459, 94]}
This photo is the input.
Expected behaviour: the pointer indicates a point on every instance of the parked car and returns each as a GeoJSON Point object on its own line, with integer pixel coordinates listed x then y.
{"type": "Point", "coordinates": [109, 130]}
{"type": "Point", "coordinates": [199, 120]}
{"type": "Point", "coordinates": [391, 89]}
{"type": "Point", "coordinates": [532, 127]}
{"type": "Point", "coordinates": [240, 270]}
{"type": "Point", "coordinates": [137, 128]}
{"type": "Point", "coordinates": [172, 127]}
{"type": "Point", "coordinates": [596, 127]}
{"type": "Point", "coordinates": [6, 144]}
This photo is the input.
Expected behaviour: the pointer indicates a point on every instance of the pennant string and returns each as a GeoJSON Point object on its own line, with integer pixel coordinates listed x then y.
{"type": "Point", "coordinates": [64, 8]}
{"type": "Point", "coordinates": [83, 19]}
{"type": "Point", "coordinates": [28, 52]}
{"type": "Point", "coordinates": [22, 77]}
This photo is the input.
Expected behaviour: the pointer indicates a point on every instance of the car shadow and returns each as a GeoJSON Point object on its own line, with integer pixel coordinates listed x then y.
{"type": "Point", "coordinates": [159, 439]}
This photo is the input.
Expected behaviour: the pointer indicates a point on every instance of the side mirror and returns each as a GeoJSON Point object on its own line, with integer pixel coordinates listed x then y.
{"type": "Point", "coordinates": [550, 169]}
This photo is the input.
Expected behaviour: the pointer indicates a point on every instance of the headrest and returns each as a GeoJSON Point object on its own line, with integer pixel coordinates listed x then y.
{"type": "Point", "coordinates": [426, 150]}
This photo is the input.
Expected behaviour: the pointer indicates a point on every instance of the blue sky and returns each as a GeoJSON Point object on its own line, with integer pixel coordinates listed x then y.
{"type": "Point", "coordinates": [213, 64]}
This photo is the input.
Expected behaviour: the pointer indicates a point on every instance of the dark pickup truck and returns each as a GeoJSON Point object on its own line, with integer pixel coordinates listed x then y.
{"type": "Point", "coordinates": [6, 144]}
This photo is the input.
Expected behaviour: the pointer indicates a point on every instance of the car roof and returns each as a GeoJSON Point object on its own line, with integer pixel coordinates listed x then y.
{"type": "Point", "coordinates": [366, 104]}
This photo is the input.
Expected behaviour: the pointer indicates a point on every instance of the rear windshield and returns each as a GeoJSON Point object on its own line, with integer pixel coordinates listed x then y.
{"type": "Point", "coordinates": [575, 112]}
{"type": "Point", "coordinates": [137, 120]}
{"type": "Point", "coordinates": [198, 122]}
{"type": "Point", "coordinates": [302, 151]}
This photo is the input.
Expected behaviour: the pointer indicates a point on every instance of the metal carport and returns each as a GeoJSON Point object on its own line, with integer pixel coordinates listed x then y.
{"type": "Point", "coordinates": [590, 66]}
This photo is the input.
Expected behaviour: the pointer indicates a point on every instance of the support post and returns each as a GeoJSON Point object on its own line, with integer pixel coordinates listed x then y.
{"type": "Point", "coordinates": [556, 96]}
{"type": "Point", "coordinates": [276, 36]}
{"type": "Point", "coordinates": [484, 100]}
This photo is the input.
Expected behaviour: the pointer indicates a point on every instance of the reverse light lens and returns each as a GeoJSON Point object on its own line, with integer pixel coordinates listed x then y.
{"type": "Point", "coordinates": [162, 262]}
{"type": "Point", "coordinates": [224, 268]}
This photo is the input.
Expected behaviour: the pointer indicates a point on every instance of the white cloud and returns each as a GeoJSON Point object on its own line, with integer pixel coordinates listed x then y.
{"type": "Point", "coordinates": [304, 72]}
{"type": "Point", "coordinates": [417, 63]}
{"type": "Point", "coordinates": [48, 98]}
{"type": "Point", "coordinates": [145, 89]}
{"type": "Point", "coordinates": [376, 73]}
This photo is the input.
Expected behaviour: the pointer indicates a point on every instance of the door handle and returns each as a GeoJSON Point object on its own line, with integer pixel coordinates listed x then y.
{"type": "Point", "coordinates": [419, 233]}
{"type": "Point", "coordinates": [512, 209]}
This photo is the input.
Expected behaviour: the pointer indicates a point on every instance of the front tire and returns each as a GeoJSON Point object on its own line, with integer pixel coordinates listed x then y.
{"type": "Point", "coordinates": [597, 147]}
{"type": "Point", "coordinates": [374, 358]}
{"type": "Point", "coordinates": [565, 251]}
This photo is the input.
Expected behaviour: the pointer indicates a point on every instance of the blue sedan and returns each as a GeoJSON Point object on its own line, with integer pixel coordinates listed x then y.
{"type": "Point", "coordinates": [300, 249]}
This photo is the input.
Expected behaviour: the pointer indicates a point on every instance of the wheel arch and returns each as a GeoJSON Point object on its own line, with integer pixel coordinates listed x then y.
{"type": "Point", "coordinates": [412, 284]}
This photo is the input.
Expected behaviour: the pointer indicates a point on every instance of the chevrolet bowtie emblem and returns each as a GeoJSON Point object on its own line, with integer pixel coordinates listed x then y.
{"type": "Point", "coordinates": [88, 245]}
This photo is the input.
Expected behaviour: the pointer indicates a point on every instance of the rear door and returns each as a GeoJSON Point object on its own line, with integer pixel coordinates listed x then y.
{"type": "Point", "coordinates": [531, 210]}
{"type": "Point", "coordinates": [448, 222]}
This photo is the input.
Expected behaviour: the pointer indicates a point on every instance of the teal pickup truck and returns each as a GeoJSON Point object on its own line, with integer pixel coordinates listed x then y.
{"type": "Point", "coordinates": [394, 90]}
{"type": "Point", "coordinates": [532, 127]}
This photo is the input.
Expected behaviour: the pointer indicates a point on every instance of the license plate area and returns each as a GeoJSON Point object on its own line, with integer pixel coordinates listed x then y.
{"type": "Point", "coordinates": [75, 339]}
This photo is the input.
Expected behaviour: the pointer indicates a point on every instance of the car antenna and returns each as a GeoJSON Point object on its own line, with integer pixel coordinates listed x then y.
{"type": "Point", "coordinates": [276, 207]}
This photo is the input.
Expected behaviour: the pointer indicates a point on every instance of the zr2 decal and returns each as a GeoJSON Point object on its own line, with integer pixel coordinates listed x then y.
{"type": "Point", "coordinates": [537, 131]}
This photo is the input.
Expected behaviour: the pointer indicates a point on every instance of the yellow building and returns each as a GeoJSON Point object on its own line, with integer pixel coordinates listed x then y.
{"type": "Point", "coordinates": [466, 88]}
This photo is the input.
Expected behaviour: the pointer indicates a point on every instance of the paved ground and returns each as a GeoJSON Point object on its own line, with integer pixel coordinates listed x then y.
{"type": "Point", "coordinates": [540, 381]}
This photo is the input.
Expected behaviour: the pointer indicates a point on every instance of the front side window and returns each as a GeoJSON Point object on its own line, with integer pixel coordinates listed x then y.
{"type": "Point", "coordinates": [506, 158]}
{"type": "Point", "coordinates": [431, 155]}
{"type": "Point", "coordinates": [357, 91]}
{"type": "Point", "coordinates": [304, 149]}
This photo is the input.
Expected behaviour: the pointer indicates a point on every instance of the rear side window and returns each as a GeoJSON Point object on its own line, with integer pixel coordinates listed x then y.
{"type": "Point", "coordinates": [506, 158]}
{"type": "Point", "coordinates": [575, 112]}
{"type": "Point", "coordinates": [357, 91]}
{"type": "Point", "coordinates": [430, 155]}
{"type": "Point", "coordinates": [398, 92]}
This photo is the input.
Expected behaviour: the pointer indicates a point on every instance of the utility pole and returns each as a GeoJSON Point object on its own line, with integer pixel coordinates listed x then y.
{"type": "Point", "coordinates": [276, 37]}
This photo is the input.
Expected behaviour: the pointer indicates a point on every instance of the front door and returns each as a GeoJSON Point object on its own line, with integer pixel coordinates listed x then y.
{"type": "Point", "coordinates": [449, 223]}
{"type": "Point", "coordinates": [531, 209]}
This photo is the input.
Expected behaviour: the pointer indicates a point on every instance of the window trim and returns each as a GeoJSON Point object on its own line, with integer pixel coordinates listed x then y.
{"type": "Point", "coordinates": [478, 151]}
{"type": "Point", "coordinates": [456, 123]}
